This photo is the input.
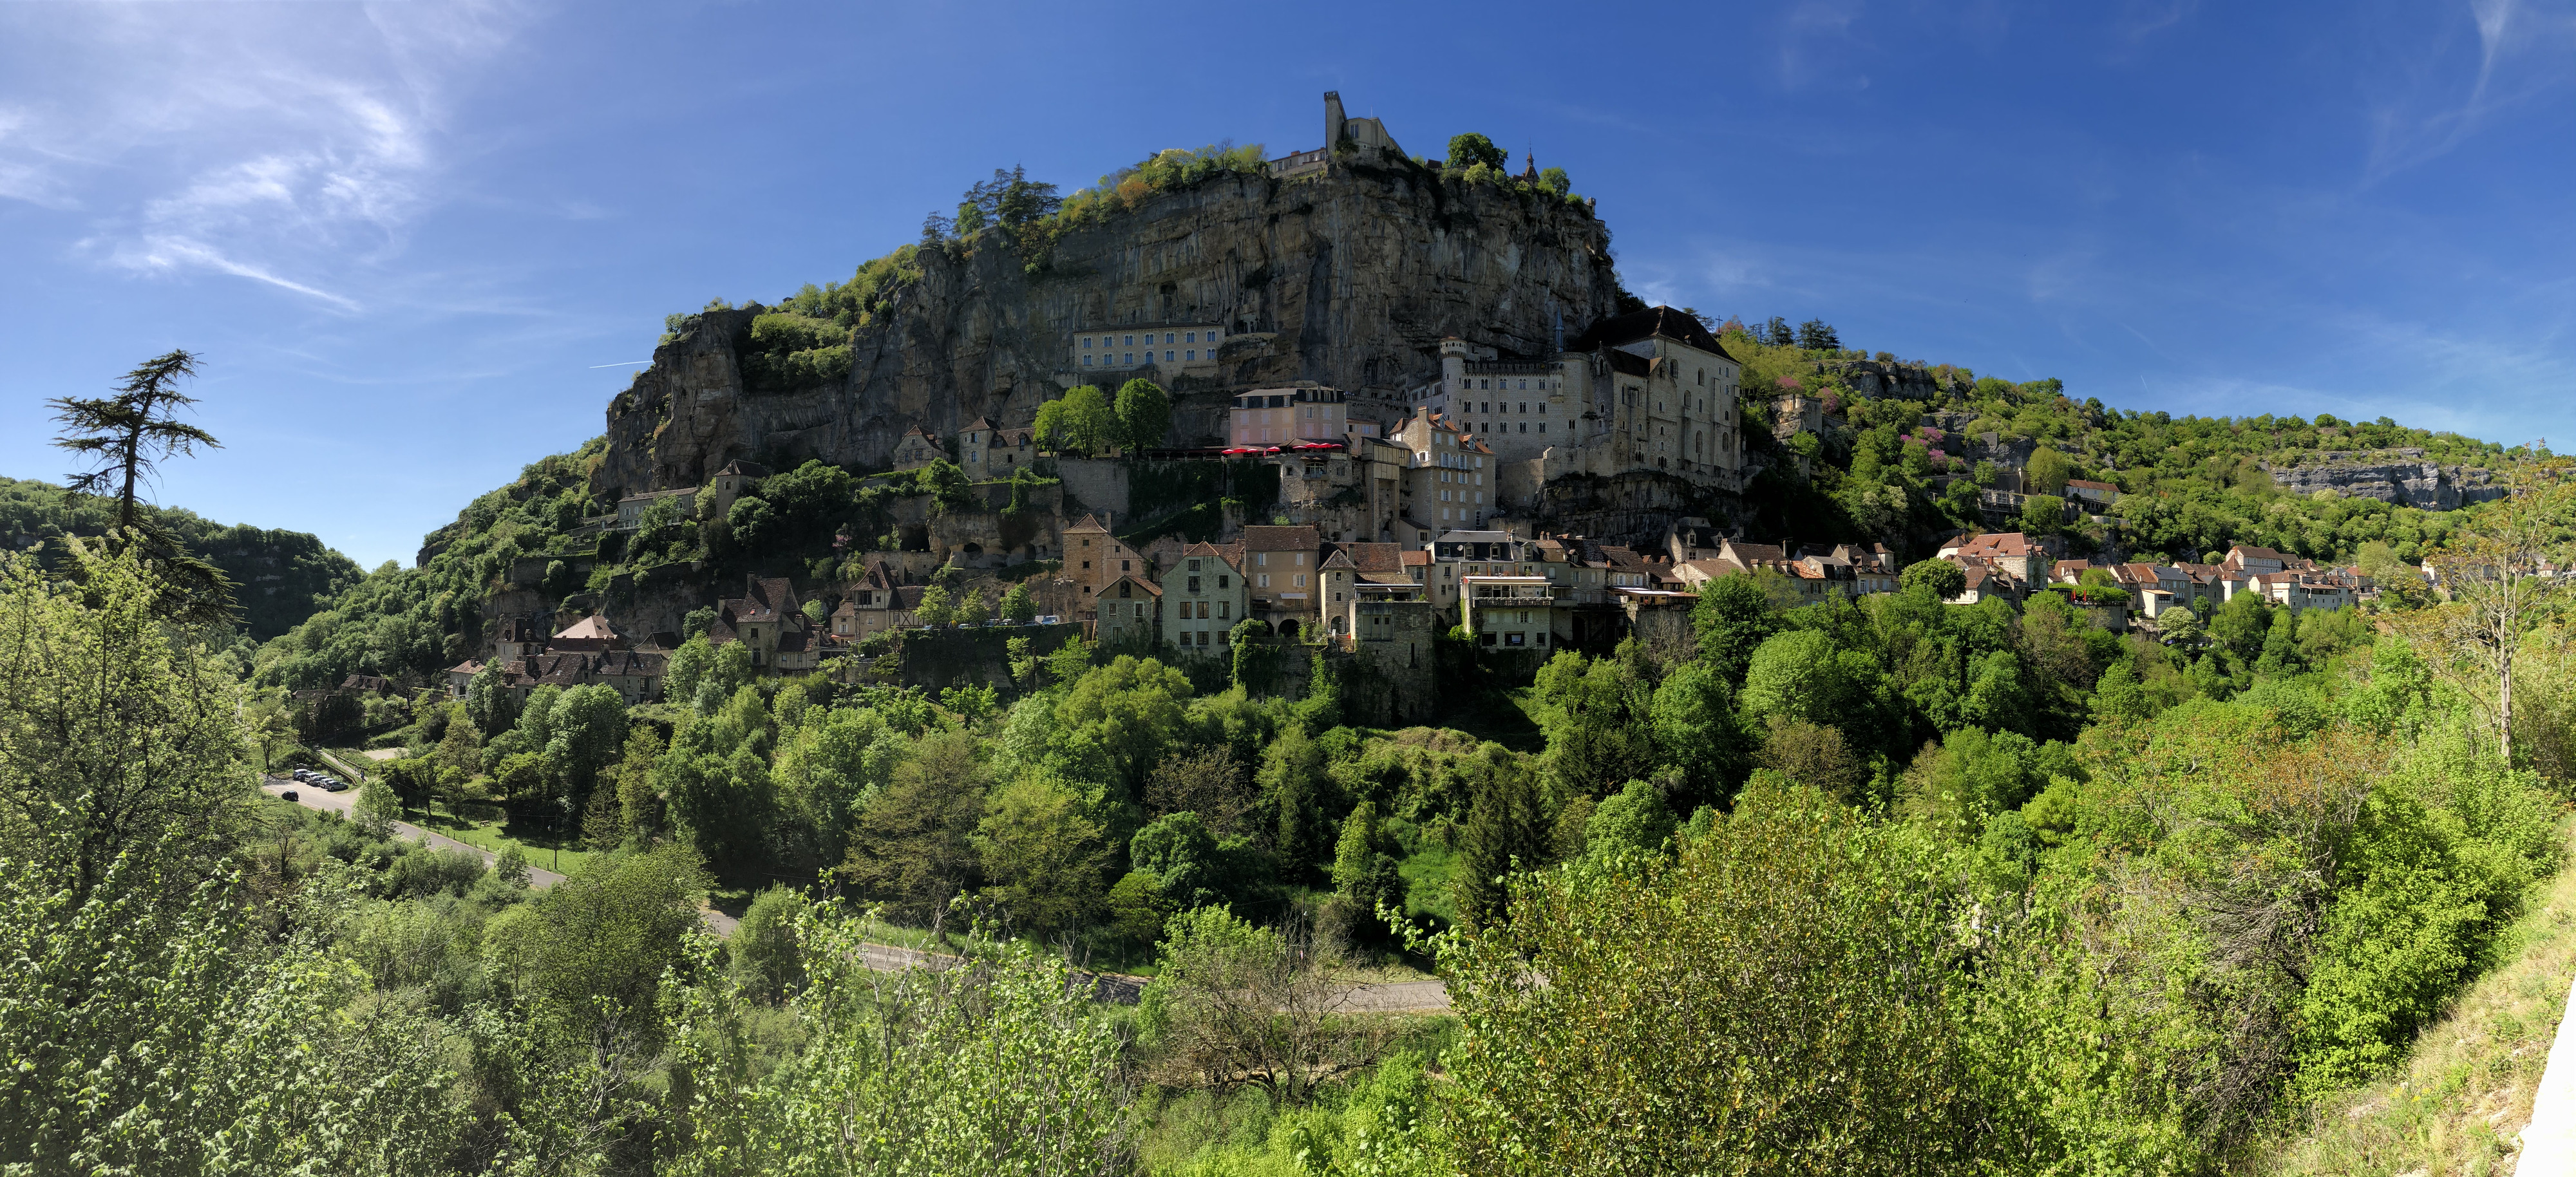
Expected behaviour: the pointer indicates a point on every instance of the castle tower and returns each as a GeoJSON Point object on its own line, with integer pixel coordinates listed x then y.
{"type": "Point", "coordinates": [1333, 119]}
{"type": "Point", "coordinates": [1529, 167]}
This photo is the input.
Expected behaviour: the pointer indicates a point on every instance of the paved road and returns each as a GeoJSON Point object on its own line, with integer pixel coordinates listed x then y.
{"type": "Point", "coordinates": [345, 803]}
{"type": "Point", "coordinates": [1400, 997]}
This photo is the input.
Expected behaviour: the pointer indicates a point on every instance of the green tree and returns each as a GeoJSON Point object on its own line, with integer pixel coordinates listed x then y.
{"type": "Point", "coordinates": [588, 956]}
{"type": "Point", "coordinates": [117, 736]}
{"type": "Point", "coordinates": [1555, 180]}
{"type": "Point", "coordinates": [687, 666]}
{"type": "Point", "coordinates": [1082, 421]}
{"type": "Point", "coordinates": [1506, 830]}
{"type": "Point", "coordinates": [1042, 858]}
{"type": "Point", "coordinates": [1019, 605]}
{"type": "Point", "coordinates": [1939, 578]}
{"type": "Point", "coordinates": [2046, 472]}
{"type": "Point", "coordinates": [1634, 819]}
{"type": "Point", "coordinates": [933, 610]}
{"type": "Point", "coordinates": [1697, 734]}
{"type": "Point", "coordinates": [1144, 414]}
{"type": "Point", "coordinates": [1364, 867]}
{"type": "Point", "coordinates": [2043, 515]}
{"type": "Point", "coordinates": [126, 436]}
{"type": "Point", "coordinates": [1470, 149]}
{"type": "Point", "coordinates": [913, 847]}
{"type": "Point", "coordinates": [996, 1069]}
{"type": "Point", "coordinates": [141, 963]}
{"type": "Point", "coordinates": [1839, 975]}
{"type": "Point", "coordinates": [767, 962]}
{"type": "Point", "coordinates": [1733, 618]}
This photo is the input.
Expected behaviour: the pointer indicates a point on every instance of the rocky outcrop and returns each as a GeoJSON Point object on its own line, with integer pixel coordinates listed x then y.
{"type": "Point", "coordinates": [2401, 476]}
{"type": "Point", "coordinates": [1348, 277]}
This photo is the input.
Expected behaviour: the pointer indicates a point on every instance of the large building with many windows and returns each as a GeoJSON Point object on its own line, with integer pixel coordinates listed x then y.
{"type": "Point", "coordinates": [1144, 349]}
{"type": "Point", "coordinates": [1647, 391]}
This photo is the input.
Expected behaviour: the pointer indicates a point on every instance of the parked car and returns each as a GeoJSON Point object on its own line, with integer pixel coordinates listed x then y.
{"type": "Point", "coordinates": [288, 795]}
{"type": "Point", "coordinates": [303, 774]}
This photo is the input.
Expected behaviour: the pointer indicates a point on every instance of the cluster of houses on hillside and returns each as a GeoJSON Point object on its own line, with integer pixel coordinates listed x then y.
{"type": "Point", "coordinates": [2013, 566]}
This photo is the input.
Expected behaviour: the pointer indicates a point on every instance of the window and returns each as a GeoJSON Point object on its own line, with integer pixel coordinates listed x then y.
{"type": "Point", "coordinates": [1167, 357]}
{"type": "Point", "coordinates": [1086, 343]}
{"type": "Point", "coordinates": [1189, 337]}
{"type": "Point", "coordinates": [1222, 607]}
{"type": "Point", "coordinates": [1300, 579]}
{"type": "Point", "coordinates": [1192, 353]}
{"type": "Point", "coordinates": [1130, 357]}
{"type": "Point", "coordinates": [1086, 361]}
{"type": "Point", "coordinates": [1131, 341]}
{"type": "Point", "coordinates": [1264, 580]}
{"type": "Point", "coordinates": [1125, 566]}
{"type": "Point", "coordinates": [1225, 582]}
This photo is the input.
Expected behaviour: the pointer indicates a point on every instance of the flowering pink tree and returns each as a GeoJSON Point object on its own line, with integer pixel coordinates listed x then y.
{"type": "Point", "coordinates": [1791, 383]}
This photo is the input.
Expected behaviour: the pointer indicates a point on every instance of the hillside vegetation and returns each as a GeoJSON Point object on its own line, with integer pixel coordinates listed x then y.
{"type": "Point", "coordinates": [283, 576]}
{"type": "Point", "coordinates": [2190, 485]}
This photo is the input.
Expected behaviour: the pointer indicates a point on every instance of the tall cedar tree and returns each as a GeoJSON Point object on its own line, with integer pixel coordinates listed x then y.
{"type": "Point", "coordinates": [126, 436]}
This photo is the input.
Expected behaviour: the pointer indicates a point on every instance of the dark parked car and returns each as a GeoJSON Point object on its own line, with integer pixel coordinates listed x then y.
{"type": "Point", "coordinates": [288, 795]}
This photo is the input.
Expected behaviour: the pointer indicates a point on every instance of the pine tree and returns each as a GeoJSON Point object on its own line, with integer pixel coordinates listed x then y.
{"type": "Point", "coordinates": [127, 435]}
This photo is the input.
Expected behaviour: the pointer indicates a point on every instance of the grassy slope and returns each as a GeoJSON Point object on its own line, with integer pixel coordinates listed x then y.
{"type": "Point", "coordinates": [2466, 1089]}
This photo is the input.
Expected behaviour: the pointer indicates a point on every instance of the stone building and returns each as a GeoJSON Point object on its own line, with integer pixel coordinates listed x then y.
{"type": "Point", "coordinates": [1648, 391]}
{"type": "Point", "coordinates": [1204, 595]}
{"type": "Point", "coordinates": [1126, 608]}
{"type": "Point", "coordinates": [630, 510]}
{"type": "Point", "coordinates": [989, 451]}
{"type": "Point", "coordinates": [729, 483]}
{"type": "Point", "coordinates": [1283, 564]}
{"type": "Point", "coordinates": [1161, 351]}
{"type": "Point", "coordinates": [917, 449]}
{"type": "Point", "coordinates": [1351, 569]}
{"type": "Point", "coordinates": [769, 619]}
{"type": "Point", "coordinates": [1294, 416]}
{"type": "Point", "coordinates": [1093, 557]}
{"type": "Point", "coordinates": [1449, 481]}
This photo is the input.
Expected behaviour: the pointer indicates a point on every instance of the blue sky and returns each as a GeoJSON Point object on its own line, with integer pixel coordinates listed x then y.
{"type": "Point", "coordinates": [405, 236]}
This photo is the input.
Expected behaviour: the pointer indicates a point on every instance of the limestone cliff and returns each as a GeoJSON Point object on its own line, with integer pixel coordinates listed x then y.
{"type": "Point", "coordinates": [1348, 276]}
{"type": "Point", "coordinates": [2401, 476]}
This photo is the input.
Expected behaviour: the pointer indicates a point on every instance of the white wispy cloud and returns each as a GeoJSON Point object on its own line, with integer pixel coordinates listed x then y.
{"type": "Point", "coordinates": [2526, 49]}
{"type": "Point", "coordinates": [291, 148]}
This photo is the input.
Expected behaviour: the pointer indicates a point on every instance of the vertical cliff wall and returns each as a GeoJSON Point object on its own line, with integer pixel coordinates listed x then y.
{"type": "Point", "coordinates": [1349, 277]}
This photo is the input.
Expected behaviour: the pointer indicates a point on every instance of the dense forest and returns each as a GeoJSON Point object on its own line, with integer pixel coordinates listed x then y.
{"type": "Point", "coordinates": [1886, 885]}
{"type": "Point", "coordinates": [282, 577]}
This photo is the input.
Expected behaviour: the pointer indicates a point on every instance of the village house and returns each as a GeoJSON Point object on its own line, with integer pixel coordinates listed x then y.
{"type": "Point", "coordinates": [1509, 612]}
{"type": "Point", "coordinates": [1350, 568]}
{"type": "Point", "coordinates": [989, 451]}
{"type": "Point", "coordinates": [1125, 610]}
{"type": "Point", "coordinates": [769, 620]}
{"type": "Point", "coordinates": [1283, 565]}
{"type": "Point", "coordinates": [631, 509]}
{"type": "Point", "coordinates": [917, 449]}
{"type": "Point", "coordinates": [1204, 594]}
{"type": "Point", "coordinates": [1093, 557]}
{"type": "Point", "coordinates": [877, 601]}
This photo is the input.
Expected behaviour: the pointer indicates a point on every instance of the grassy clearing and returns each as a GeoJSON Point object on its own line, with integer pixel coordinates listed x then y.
{"type": "Point", "coordinates": [2465, 1091]}
{"type": "Point", "coordinates": [544, 852]}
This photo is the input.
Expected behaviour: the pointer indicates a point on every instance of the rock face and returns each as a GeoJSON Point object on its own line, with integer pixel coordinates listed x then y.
{"type": "Point", "coordinates": [2400, 476]}
{"type": "Point", "coordinates": [1348, 277]}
